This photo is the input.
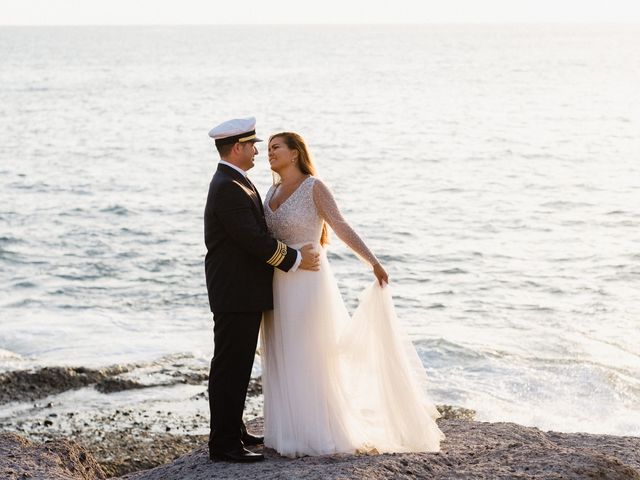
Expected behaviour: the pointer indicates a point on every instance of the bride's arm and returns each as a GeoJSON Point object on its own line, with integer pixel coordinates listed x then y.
{"type": "Point", "coordinates": [329, 211]}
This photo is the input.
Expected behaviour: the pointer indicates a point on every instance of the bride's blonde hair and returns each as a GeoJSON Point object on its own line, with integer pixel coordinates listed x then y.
{"type": "Point", "coordinates": [305, 164]}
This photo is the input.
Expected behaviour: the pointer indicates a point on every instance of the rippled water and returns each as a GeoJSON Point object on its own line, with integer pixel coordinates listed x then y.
{"type": "Point", "coordinates": [494, 170]}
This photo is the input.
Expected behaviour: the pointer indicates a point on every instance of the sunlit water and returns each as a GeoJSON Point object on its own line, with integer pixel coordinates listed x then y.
{"type": "Point", "coordinates": [493, 170]}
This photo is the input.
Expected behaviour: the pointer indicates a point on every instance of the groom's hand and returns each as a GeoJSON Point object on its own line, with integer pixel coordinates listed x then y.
{"type": "Point", "coordinates": [310, 258]}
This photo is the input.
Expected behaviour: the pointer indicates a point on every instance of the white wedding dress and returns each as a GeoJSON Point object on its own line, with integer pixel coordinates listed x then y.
{"type": "Point", "coordinates": [334, 383]}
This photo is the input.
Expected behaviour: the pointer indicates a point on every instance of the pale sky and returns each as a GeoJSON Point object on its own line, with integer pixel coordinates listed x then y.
{"type": "Point", "coordinates": [160, 12]}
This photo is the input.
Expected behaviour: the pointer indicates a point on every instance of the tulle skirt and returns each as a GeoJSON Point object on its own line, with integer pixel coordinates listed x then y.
{"type": "Point", "coordinates": [339, 384]}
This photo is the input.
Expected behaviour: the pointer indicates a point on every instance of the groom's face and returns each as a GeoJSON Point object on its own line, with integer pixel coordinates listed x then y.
{"type": "Point", "coordinates": [248, 150]}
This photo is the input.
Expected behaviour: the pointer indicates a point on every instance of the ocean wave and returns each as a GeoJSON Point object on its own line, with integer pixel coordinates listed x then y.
{"type": "Point", "coordinates": [4, 240]}
{"type": "Point", "coordinates": [39, 187]}
{"type": "Point", "coordinates": [116, 210]}
{"type": "Point", "coordinates": [623, 380]}
{"type": "Point", "coordinates": [8, 354]}
{"type": "Point", "coordinates": [537, 156]}
{"type": "Point", "coordinates": [74, 212]}
{"type": "Point", "coordinates": [435, 306]}
{"type": "Point", "coordinates": [26, 302]}
{"type": "Point", "coordinates": [9, 257]}
{"type": "Point", "coordinates": [443, 292]}
{"type": "Point", "coordinates": [529, 307]}
{"type": "Point", "coordinates": [566, 205]}
{"type": "Point", "coordinates": [33, 89]}
{"type": "Point", "coordinates": [11, 360]}
{"type": "Point", "coordinates": [78, 277]}
{"type": "Point", "coordinates": [449, 190]}
{"type": "Point", "coordinates": [440, 350]}
{"type": "Point", "coordinates": [148, 237]}
{"type": "Point", "coordinates": [157, 265]}
{"type": "Point", "coordinates": [581, 258]}
{"type": "Point", "coordinates": [129, 254]}
{"type": "Point", "coordinates": [453, 271]}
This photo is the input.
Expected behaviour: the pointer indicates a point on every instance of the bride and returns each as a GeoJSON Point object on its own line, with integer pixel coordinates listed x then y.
{"type": "Point", "coordinates": [333, 383]}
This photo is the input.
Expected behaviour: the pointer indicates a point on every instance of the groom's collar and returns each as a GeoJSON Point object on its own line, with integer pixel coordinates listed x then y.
{"type": "Point", "coordinates": [237, 169]}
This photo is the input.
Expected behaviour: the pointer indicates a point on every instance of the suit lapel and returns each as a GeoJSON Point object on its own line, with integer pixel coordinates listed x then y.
{"type": "Point", "coordinates": [249, 187]}
{"type": "Point", "coordinates": [255, 190]}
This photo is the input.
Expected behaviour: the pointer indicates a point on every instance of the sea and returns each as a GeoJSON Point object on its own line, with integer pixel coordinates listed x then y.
{"type": "Point", "coordinates": [493, 169]}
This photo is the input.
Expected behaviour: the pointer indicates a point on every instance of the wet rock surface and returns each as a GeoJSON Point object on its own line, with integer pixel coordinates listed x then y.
{"type": "Point", "coordinates": [31, 385]}
{"type": "Point", "coordinates": [62, 459]}
{"type": "Point", "coordinates": [123, 441]}
{"type": "Point", "coordinates": [129, 418]}
{"type": "Point", "coordinates": [27, 385]}
{"type": "Point", "coordinates": [472, 449]}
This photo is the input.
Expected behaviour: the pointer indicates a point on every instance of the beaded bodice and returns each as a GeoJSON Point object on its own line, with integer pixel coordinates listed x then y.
{"type": "Point", "coordinates": [298, 220]}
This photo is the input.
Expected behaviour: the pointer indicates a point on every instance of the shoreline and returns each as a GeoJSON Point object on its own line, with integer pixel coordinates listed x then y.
{"type": "Point", "coordinates": [146, 421]}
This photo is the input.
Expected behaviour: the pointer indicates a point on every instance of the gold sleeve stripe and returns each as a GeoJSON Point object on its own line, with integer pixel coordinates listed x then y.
{"type": "Point", "coordinates": [281, 252]}
{"type": "Point", "coordinates": [278, 255]}
{"type": "Point", "coordinates": [246, 139]}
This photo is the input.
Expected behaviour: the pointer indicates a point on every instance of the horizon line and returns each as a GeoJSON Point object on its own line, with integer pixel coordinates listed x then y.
{"type": "Point", "coordinates": [326, 24]}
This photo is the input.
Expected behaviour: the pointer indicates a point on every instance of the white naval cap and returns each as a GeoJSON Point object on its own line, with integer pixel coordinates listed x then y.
{"type": "Point", "coordinates": [236, 130]}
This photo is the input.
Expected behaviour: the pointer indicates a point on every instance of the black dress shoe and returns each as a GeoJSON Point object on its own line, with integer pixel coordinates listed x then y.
{"type": "Point", "coordinates": [249, 440]}
{"type": "Point", "coordinates": [237, 455]}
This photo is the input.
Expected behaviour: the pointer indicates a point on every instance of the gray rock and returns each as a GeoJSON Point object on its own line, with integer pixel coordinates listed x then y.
{"type": "Point", "coordinates": [21, 458]}
{"type": "Point", "coordinates": [472, 450]}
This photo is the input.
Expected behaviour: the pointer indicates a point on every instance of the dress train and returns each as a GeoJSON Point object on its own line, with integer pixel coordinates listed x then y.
{"type": "Point", "coordinates": [339, 384]}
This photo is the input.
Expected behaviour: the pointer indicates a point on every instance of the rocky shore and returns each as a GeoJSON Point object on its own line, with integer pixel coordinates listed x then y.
{"type": "Point", "coordinates": [59, 403]}
{"type": "Point", "coordinates": [472, 450]}
{"type": "Point", "coordinates": [477, 450]}
{"type": "Point", "coordinates": [135, 442]}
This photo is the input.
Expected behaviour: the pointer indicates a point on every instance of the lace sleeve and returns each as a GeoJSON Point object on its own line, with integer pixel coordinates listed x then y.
{"type": "Point", "coordinates": [329, 212]}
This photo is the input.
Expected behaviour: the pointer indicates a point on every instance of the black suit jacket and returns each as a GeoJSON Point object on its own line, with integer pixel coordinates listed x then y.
{"type": "Point", "coordinates": [240, 252]}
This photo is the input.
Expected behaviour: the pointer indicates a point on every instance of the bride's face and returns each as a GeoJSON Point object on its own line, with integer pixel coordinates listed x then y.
{"type": "Point", "coordinates": [280, 156]}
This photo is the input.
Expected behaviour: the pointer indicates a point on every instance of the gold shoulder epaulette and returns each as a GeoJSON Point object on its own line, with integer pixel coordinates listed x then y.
{"type": "Point", "coordinates": [278, 255]}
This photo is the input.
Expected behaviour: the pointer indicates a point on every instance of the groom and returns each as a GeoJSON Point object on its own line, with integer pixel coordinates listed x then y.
{"type": "Point", "coordinates": [239, 266]}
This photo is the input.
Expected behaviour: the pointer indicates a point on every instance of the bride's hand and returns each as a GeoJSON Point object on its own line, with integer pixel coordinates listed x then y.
{"type": "Point", "coordinates": [380, 274]}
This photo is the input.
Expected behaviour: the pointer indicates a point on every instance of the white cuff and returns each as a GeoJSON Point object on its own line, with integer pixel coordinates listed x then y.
{"type": "Point", "coordinates": [297, 263]}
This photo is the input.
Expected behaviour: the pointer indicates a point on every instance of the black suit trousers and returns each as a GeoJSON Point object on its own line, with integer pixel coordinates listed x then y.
{"type": "Point", "coordinates": [235, 341]}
